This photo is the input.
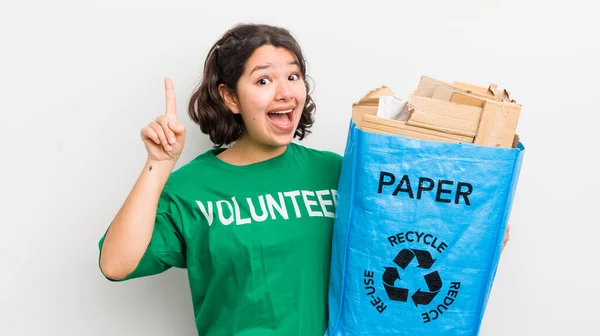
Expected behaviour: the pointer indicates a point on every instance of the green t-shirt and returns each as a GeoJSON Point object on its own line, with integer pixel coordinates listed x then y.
{"type": "Point", "coordinates": [255, 239]}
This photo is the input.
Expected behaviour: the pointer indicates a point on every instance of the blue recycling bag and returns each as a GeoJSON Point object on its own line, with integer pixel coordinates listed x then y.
{"type": "Point", "coordinates": [418, 234]}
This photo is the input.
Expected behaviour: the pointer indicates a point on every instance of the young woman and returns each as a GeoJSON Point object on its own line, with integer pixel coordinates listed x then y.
{"type": "Point", "coordinates": [251, 222]}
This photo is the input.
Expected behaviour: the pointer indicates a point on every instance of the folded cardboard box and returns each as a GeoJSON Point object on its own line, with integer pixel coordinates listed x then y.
{"type": "Point", "coordinates": [448, 112]}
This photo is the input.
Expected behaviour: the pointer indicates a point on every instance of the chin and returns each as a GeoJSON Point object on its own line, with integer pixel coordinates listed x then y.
{"type": "Point", "coordinates": [279, 140]}
{"type": "Point", "coordinates": [282, 141]}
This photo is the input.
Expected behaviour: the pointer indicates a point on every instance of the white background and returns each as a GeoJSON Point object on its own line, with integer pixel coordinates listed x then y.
{"type": "Point", "coordinates": [79, 79]}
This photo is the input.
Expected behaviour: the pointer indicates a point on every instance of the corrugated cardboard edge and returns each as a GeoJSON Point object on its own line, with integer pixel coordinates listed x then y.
{"type": "Point", "coordinates": [368, 104]}
{"type": "Point", "coordinates": [516, 141]}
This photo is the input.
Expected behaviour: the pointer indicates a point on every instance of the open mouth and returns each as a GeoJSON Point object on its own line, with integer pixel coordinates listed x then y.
{"type": "Point", "coordinates": [282, 119]}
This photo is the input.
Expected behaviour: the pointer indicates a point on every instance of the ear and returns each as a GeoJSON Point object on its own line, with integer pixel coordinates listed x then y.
{"type": "Point", "coordinates": [229, 98]}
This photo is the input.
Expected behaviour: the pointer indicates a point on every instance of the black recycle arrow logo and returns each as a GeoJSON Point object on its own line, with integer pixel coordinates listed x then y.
{"type": "Point", "coordinates": [403, 259]}
{"type": "Point", "coordinates": [394, 293]}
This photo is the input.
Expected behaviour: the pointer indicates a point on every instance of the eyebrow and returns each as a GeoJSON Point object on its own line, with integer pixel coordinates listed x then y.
{"type": "Point", "coordinates": [270, 65]}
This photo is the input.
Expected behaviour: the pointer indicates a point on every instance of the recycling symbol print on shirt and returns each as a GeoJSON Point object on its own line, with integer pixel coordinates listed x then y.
{"type": "Point", "coordinates": [392, 277]}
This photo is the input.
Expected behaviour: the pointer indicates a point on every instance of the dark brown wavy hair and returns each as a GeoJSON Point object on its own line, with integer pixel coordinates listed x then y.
{"type": "Point", "coordinates": [224, 64]}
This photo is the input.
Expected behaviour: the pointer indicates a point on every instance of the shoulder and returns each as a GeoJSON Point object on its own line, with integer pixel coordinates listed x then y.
{"type": "Point", "coordinates": [322, 157]}
{"type": "Point", "coordinates": [190, 171]}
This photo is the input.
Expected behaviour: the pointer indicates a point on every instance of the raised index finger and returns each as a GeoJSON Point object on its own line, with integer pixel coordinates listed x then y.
{"type": "Point", "coordinates": [170, 97]}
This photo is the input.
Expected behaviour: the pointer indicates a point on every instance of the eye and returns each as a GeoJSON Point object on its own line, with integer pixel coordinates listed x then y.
{"type": "Point", "coordinates": [263, 81]}
{"type": "Point", "coordinates": [293, 77]}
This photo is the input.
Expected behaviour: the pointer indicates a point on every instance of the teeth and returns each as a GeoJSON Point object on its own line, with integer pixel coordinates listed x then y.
{"type": "Point", "coordinates": [282, 112]}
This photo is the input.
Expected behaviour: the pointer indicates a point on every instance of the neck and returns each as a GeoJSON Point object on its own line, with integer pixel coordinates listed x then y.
{"type": "Point", "coordinates": [244, 153]}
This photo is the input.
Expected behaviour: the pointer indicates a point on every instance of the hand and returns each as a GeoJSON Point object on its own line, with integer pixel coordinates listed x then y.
{"type": "Point", "coordinates": [506, 236]}
{"type": "Point", "coordinates": [164, 137]}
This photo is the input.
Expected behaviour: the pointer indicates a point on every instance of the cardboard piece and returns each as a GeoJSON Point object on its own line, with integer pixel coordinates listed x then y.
{"type": "Point", "coordinates": [465, 99]}
{"type": "Point", "coordinates": [498, 124]}
{"type": "Point", "coordinates": [444, 115]}
{"type": "Point", "coordinates": [403, 128]}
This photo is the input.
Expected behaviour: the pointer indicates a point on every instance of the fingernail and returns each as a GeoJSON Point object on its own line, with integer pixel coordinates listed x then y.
{"type": "Point", "coordinates": [172, 140]}
{"type": "Point", "coordinates": [172, 124]}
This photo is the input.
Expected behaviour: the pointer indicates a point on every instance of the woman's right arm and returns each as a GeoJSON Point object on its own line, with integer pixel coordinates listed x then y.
{"type": "Point", "coordinates": [131, 230]}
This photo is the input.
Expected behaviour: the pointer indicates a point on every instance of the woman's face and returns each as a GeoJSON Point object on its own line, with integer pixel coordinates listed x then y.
{"type": "Point", "coordinates": [270, 97]}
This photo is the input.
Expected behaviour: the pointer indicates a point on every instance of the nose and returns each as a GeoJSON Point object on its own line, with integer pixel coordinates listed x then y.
{"type": "Point", "coordinates": [284, 91]}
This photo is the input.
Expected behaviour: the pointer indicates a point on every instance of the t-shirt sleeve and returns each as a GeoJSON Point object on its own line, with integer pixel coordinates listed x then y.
{"type": "Point", "coordinates": [167, 245]}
